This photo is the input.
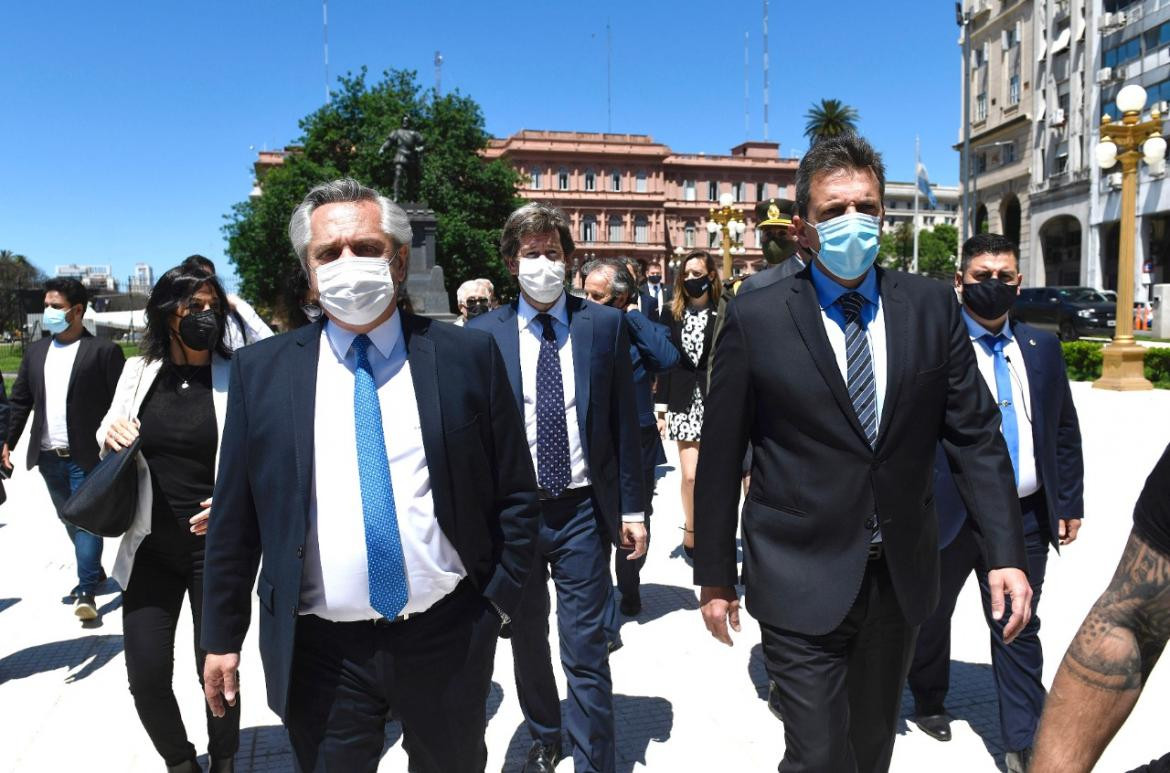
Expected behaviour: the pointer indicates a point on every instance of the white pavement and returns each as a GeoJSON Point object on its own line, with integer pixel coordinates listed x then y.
{"type": "Point", "coordinates": [684, 702]}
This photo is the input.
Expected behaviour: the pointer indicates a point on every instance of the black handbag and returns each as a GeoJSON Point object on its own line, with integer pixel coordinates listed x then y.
{"type": "Point", "coordinates": [106, 501]}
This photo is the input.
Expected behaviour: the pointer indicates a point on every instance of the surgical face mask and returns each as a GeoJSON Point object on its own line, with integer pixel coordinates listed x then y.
{"type": "Point", "coordinates": [54, 320]}
{"type": "Point", "coordinates": [476, 306]}
{"type": "Point", "coordinates": [849, 244]}
{"type": "Point", "coordinates": [355, 291]}
{"type": "Point", "coordinates": [541, 279]}
{"type": "Point", "coordinates": [199, 330]}
{"type": "Point", "coordinates": [989, 299]}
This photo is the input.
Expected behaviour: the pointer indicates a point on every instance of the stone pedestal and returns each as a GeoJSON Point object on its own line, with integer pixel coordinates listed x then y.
{"type": "Point", "coordinates": [424, 279]}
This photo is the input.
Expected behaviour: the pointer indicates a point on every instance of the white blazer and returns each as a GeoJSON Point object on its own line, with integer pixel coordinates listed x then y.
{"type": "Point", "coordinates": [137, 377]}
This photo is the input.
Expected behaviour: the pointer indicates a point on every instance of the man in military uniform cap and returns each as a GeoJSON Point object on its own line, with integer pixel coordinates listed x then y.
{"type": "Point", "coordinates": [774, 225]}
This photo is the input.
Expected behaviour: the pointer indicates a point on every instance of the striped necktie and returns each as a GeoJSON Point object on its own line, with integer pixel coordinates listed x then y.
{"type": "Point", "coordinates": [859, 366]}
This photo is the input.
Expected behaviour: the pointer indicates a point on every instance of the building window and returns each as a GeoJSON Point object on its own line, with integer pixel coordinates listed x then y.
{"type": "Point", "coordinates": [535, 177]}
{"type": "Point", "coordinates": [563, 179]}
{"type": "Point", "coordinates": [1061, 164]}
{"type": "Point", "coordinates": [1128, 51]}
{"type": "Point", "coordinates": [615, 228]}
{"type": "Point", "coordinates": [1009, 153]}
{"type": "Point", "coordinates": [589, 228]}
{"type": "Point", "coordinates": [980, 163]}
{"type": "Point", "coordinates": [615, 181]}
{"type": "Point", "coordinates": [641, 229]}
{"type": "Point", "coordinates": [761, 191]}
{"type": "Point", "coordinates": [712, 191]}
{"type": "Point", "coordinates": [713, 239]}
{"type": "Point", "coordinates": [689, 235]}
{"type": "Point", "coordinates": [590, 180]}
{"type": "Point", "coordinates": [640, 181]}
{"type": "Point", "coordinates": [1014, 89]}
{"type": "Point", "coordinates": [1157, 37]}
{"type": "Point", "coordinates": [737, 191]}
{"type": "Point", "coordinates": [689, 190]}
{"type": "Point", "coordinates": [981, 106]}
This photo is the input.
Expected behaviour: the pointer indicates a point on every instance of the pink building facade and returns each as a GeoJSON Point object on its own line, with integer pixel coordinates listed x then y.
{"type": "Point", "coordinates": [628, 195]}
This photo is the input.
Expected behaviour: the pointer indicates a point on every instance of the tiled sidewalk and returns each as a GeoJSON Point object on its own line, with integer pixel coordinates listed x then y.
{"type": "Point", "coordinates": [684, 702]}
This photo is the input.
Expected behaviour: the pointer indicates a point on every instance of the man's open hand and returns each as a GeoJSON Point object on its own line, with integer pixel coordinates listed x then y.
{"type": "Point", "coordinates": [1015, 583]}
{"type": "Point", "coordinates": [221, 681]}
{"type": "Point", "coordinates": [720, 606]}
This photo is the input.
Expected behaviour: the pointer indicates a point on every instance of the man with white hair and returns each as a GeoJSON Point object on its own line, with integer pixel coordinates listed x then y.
{"type": "Point", "coordinates": [395, 511]}
{"type": "Point", "coordinates": [475, 297]}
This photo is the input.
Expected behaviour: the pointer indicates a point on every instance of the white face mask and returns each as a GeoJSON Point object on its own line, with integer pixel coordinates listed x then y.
{"type": "Point", "coordinates": [355, 291]}
{"type": "Point", "coordinates": [543, 280]}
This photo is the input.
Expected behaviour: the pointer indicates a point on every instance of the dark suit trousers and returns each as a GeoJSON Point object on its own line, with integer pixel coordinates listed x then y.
{"type": "Point", "coordinates": [433, 672]}
{"type": "Point", "coordinates": [1018, 667]}
{"type": "Point", "coordinates": [571, 547]}
{"type": "Point", "coordinates": [840, 693]}
{"type": "Point", "coordinates": [629, 572]}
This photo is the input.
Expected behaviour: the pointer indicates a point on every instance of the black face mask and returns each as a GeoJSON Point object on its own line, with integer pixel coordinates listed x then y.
{"type": "Point", "coordinates": [989, 299]}
{"type": "Point", "coordinates": [696, 287]}
{"type": "Point", "coordinates": [654, 279]}
{"type": "Point", "coordinates": [476, 307]}
{"type": "Point", "coordinates": [199, 330]}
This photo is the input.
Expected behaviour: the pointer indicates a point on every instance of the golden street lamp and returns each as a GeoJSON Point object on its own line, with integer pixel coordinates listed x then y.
{"type": "Point", "coordinates": [1128, 142]}
{"type": "Point", "coordinates": [730, 221]}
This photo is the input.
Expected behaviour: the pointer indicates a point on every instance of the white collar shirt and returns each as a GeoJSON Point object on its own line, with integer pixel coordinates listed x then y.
{"type": "Point", "coordinates": [335, 583]}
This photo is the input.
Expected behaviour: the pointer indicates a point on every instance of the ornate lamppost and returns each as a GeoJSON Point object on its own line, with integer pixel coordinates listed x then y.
{"type": "Point", "coordinates": [1127, 143]}
{"type": "Point", "coordinates": [730, 221]}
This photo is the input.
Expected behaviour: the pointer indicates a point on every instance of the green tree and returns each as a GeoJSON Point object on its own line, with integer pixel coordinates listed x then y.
{"type": "Point", "coordinates": [937, 249]}
{"type": "Point", "coordinates": [896, 249]}
{"type": "Point", "coordinates": [829, 119]}
{"type": "Point", "coordinates": [471, 198]}
{"type": "Point", "coordinates": [16, 275]}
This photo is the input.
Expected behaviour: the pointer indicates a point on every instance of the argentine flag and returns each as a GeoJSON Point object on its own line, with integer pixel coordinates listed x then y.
{"type": "Point", "coordinates": [924, 186]}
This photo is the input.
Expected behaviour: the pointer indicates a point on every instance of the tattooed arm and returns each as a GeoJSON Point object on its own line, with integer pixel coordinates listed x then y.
{"type": "Point", "coordinates": [1107, 663]}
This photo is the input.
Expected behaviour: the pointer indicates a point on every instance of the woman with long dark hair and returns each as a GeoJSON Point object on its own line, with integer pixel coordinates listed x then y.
{"type": "Point", "coordinates": [174, 397]}
{"type": "Point", "coordinates": [692, 325]}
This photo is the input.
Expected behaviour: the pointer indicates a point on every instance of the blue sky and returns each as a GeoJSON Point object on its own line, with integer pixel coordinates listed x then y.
{"type": "Point", "coordinates": [130, 128]}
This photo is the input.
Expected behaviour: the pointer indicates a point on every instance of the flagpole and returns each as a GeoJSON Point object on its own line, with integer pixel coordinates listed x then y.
{"type": "Point", "coordinates": [917, 164]}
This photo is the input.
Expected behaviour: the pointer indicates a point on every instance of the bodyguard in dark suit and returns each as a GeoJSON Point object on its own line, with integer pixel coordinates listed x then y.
{"type": "Point", "coordinates": [373, 465]}
{"type": "Point", "coordinates": [568, 361]}
{"type": "Point", "coordinates": [659, 292]}
{"type": "Point", "coordinates": [860, 376]}
{"type": "Point", "coordinates": [651, 351]}
{"type": "Point", "coordinates": [67, 383]}
{"type": "Point", "coordinates": [1023, 369]}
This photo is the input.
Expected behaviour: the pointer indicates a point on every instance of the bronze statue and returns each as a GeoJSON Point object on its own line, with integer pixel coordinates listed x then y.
{"type": "Point", "coordinates": [408, 149]}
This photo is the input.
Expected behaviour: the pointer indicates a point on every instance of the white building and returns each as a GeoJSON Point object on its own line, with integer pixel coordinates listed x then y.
{"type": "Point", "coordinates": [900, 205]}
{"type": "Point", "coordinates": [93, 277]}
{"type": "Point", "coordinates": [142, 280]}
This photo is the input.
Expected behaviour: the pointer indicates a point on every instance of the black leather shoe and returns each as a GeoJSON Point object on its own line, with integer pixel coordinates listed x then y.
{"type": "Point", "coordinates": [227, 765]}
{"type": "Point", "coordinates": [774, 700]}
{"type": "Point", "coordinates": [631, 605]}
{"type": "Point", "coordinates": [506, 631]}
{"type": "Point", "coordinates": [1018, 762]}
{"type": "Point", "coordinates": [541, 758]}
{"type": "Point", "coordinates": [937, 726]}
{"type": "Point", "coordinates": [187, 766]}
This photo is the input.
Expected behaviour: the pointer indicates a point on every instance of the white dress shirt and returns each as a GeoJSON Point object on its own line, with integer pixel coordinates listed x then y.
{"type": "Point", "coordinates": [58, 369]}
{"type": "Point", "coordinates": [531, 334]}
{"type": "Point", "coordinates": [335, 584]}
{"type": "Point", "coordinates": [1021, 398]}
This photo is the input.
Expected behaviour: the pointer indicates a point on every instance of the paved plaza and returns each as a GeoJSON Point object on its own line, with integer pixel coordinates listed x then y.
{"type": "Point", "coordinates": [683, 701]}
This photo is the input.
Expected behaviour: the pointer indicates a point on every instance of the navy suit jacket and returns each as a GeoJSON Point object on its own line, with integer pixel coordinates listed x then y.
{"type": "Point", "coordinates": [606, 403]}
{"type": "Point", "coordinates": [652, 352]}
{"type": "Point", "coordinates": [1056, 438]}
{"type": "Point", "coordinates": [482, 482]}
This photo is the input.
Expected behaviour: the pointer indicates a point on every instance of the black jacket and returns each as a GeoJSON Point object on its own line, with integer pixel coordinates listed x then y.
{"type": "Point", "coordinates": [815, 479]}
{"type": "Point", "coordinates": [481, 474]}
{"type": "Point", "coordinates": [677, 386]}
{"type": "Point", "coordinates": [91, 390]}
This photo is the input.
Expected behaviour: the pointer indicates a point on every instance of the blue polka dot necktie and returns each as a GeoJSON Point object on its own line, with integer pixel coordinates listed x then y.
{"type": "Point", "coordinates": [387, 568]}
{"type": "Point", "coordinates": [859, 364]}
{"type": "Point", "coordinates": [553, 470]}
{"type": "Point", "coordinates": [1003, 397]}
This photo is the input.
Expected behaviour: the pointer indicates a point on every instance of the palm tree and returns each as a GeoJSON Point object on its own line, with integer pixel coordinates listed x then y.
{"type": "Point", "coordinates": [830, 118]}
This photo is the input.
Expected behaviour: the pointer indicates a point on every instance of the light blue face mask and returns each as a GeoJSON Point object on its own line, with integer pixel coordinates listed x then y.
{"type": "Point", "coordinates": [54, 320]}
{"type": "Point", "coordinates": [849, 244]}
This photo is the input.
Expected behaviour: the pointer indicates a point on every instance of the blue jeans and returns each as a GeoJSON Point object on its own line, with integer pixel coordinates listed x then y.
{"type": "Point", "coordinates": [62, 477]}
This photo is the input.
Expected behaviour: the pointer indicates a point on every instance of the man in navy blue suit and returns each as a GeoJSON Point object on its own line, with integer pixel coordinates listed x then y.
{"type": "Point", "coordinates": [1024, 369]}
{"type": "Point", "coordinates": [609, 283]}
{"type": "Point", "coordinates": [375, 463]}
{"type": "Point", "coordinates": [568, 361]}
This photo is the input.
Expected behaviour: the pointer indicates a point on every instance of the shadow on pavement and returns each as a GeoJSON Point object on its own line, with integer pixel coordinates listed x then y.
{"type": "Point", "coordinates": [6, 603]}
{"type": "Point", "coordinates": [638, 719]}
{"type": "Point", "coordinates": [267, 749]}
{"type": "Point", "coordinates": [972, 699]}
{"type": "Point", "coordinates": [98, 650]}
{"type": "Point", "coordinates": [660, 600]}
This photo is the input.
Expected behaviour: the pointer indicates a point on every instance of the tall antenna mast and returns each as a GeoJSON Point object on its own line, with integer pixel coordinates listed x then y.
{"type": "Point", "coordinates": [438, 73]}
{"type": "Point", "coordinates": [325, 18]}
{"type": "Point", "coordinates": [608, 79]}
{"type": "Point", "coordinates": [765, 69]}
{"type": "Point", "coordinates": [747, 126]}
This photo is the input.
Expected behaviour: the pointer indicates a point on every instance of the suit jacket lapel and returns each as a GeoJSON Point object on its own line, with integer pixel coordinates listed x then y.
{"type": "Point", "coordinates": [84, 350]}
{"type": "Point", "coordinates": [581, 339]}
{"type": "Point", "coordinates": [424, 375]}
{"type": "Point", "coordinates": [1037, 379]}
{"type": "Point", "coordinates": [302, 382]}
{"type": "Point", "coordinates": [509, 342]}
{"type": "Point", "coordinates": [897, 323]}
{"type": "Point", "coordinates": [806, 314]}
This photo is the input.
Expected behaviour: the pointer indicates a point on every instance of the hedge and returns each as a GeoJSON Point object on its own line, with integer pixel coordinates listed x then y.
{"type": "Point", "coordinates": [1083, 361]}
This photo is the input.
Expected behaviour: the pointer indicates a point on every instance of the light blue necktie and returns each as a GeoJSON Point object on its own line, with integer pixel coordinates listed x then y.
{"type": "Point", "coordinates": [1003, 391]}
{"type": "Point", "coordinates": [387, 568]}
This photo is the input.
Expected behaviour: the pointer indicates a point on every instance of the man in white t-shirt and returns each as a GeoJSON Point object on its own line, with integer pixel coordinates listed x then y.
{"type": "Point", "coordinates": [67, 383]}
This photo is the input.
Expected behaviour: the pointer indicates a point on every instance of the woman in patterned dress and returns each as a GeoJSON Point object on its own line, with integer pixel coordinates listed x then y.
{"type": "Point", "coordinates": [691, 319]}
